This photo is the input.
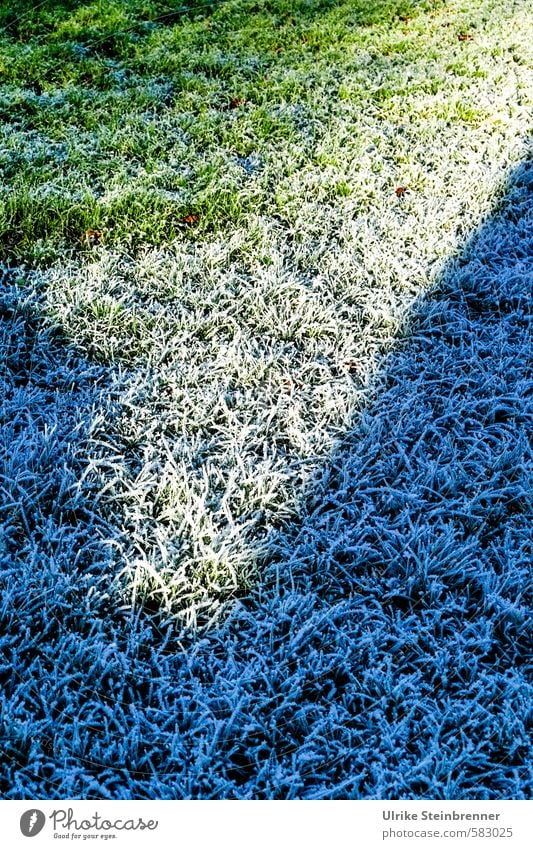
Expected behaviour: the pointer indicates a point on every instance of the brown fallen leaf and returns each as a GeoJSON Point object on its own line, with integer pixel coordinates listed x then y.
{"type": "Point", "coordinates": [235, 102]}
{"type": "Point", "coordinates": [92, 237]}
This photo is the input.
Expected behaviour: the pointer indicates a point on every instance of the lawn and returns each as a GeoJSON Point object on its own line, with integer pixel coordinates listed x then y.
{"type": "Point", "coordinates": [218, 222]}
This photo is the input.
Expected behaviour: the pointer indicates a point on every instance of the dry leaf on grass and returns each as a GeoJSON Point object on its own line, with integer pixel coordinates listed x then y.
{"type": "Point", "coordinates": [92, 237]}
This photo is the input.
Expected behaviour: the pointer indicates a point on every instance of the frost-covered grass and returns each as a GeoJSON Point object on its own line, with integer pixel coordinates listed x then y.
{"type": "Point", "coordinates": [384, 653]}
{"type": "Point", "coordinates": [208, 259]}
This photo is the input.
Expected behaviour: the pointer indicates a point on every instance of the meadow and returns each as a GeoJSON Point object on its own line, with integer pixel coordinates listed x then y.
{"type": "Point", "coordinates": [232, 451]}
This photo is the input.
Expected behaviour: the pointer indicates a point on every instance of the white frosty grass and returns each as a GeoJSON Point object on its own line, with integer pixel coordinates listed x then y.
{"type": "Point", "coordinates": [234, 364]}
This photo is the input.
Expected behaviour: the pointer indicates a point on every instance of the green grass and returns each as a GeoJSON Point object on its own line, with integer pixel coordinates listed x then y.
{"type": "Point", "coordinates": [239, 164]}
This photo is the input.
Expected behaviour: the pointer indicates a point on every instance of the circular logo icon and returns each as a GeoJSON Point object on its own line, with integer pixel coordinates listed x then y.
{"type": "Point", "coordinates": [32, 822]}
